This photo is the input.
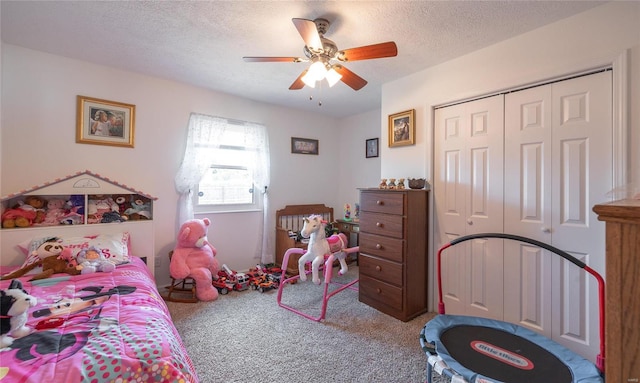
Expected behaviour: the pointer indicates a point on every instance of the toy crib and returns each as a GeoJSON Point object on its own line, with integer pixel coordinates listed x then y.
{"type": "Point", "coordinates": [327, 271]}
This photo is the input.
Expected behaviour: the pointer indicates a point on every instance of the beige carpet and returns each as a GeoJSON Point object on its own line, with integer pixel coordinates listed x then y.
{"type": "Point", "coordinates": [246, 337]}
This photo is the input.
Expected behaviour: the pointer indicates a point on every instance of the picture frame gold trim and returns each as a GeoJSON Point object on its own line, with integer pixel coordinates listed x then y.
{"type": "Point", "coordinates": [402, 128]}
{"type": "Point", "coordinates": [104, 122]}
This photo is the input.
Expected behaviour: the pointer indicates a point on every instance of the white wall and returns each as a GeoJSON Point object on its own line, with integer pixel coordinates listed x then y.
{"type": "Point", "coordinates": [38, 143]}
{"type": "Point", "coordinates": [592, 39]}
{"type": "Point", "coordinates": [588, 40]}
{"type": "Point", "coordinates": [355, 170]}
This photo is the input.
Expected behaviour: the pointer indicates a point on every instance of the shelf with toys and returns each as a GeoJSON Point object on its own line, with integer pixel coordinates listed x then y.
{"type": "Point", "coordinates": [84, 203]}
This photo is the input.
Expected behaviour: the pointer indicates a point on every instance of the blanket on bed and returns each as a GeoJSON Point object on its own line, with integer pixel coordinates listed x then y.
{"type": "Point", "coordinates": [100, 327]}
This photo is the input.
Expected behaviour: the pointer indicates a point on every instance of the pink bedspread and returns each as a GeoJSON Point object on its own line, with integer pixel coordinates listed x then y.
{"type": "Point", "coordinates": [115, 328]}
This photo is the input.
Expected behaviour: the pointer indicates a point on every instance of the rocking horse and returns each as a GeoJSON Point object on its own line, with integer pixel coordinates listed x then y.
{"type": "Point", "coordinates": [319, 247]}
{"type": "Point", "coordinates": [320, 251]}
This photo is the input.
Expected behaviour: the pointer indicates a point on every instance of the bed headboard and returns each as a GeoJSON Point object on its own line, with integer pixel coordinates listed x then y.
{"type": "Point", "coordinates": [89, 186]}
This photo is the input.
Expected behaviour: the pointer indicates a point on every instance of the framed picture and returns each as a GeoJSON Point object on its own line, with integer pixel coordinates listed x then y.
{"type": "Point", "coordinates": [304, 146]}
{"type": "Point", "coordinates": [402, 128]}
{"type": "Point", "coordinates": [102, 122]}
{"type": "Point", "coordinates": [371, 148]}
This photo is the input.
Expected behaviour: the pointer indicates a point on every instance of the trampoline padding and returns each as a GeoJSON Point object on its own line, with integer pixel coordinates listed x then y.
{"type": "Point", "coordinates": [504, 352]}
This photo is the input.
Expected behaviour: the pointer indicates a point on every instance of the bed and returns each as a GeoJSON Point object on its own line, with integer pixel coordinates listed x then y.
{"type": "Point", "coordinates": [110, 327]}
{"type": "Point", "coordinates": [98, 326]}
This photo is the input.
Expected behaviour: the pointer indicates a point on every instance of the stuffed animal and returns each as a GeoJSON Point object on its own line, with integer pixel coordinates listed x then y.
{"type": "Point", "coordinates": [124, 202]}
{"type": "Point", "coordinates": [53, 257]}
{"type": "Point", "coordinates": [55, 211]}
{"type": "Point", "coordinates": [140, 209]}
{"type": "Point", "coordinates": [193, 256]}
{"type": "Point", "coordinates": [14, 311]}
{"type": "Point", "coordinates": [92, 260]}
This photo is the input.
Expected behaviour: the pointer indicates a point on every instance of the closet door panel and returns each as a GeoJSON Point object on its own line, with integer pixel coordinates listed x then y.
{"type": "Point", "coordinates": [468, 189]}
{"type": "Point", "coordinates": [582, 146]}
{"type": "Point", "coordinates": [528, 138]}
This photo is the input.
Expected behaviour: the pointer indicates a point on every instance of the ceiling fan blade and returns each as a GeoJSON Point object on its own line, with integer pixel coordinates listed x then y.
{"type": "Point", "coordinates": [273, 59]}
{"type": "Point", "coordinates": [309, 33]}
{"type": "Point", "coordinates": [298, 84]}
{"type": "Point", "coordinates": [348, 77]}
{"type": "Point", "coordinates": [375, 51]}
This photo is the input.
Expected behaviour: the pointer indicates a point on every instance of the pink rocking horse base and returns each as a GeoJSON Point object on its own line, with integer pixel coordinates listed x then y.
{"type": "Point", "coordinates": [328, 272]}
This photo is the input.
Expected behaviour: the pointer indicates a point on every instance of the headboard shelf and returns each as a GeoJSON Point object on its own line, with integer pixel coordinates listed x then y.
{"type": "Point", "coordinates": [81, 204]}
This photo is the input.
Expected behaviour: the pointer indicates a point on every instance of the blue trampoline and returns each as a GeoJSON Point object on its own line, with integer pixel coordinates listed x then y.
{"type": "Point", "coordinates": [479, 350]}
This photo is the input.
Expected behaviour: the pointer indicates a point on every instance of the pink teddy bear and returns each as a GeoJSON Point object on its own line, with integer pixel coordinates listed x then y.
{"type": "Point", "coordinates": [194, 257]}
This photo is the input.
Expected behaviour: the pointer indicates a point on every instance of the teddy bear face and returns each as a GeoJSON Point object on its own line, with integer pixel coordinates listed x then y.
{"type": "Point", "coordinates": [193, 233]}
{"type": "Point", "coordinates": [35, 201]}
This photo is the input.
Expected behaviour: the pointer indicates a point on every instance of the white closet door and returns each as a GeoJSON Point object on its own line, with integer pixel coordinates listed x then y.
{"type": "Point", "coordinates": [582, 150]}
{"type": "Point", "coordinates": [468, 192]}
{"type": "Point", "coordinates": [559, 164]}
{"type": "Point", "coordinates": [528, 168]}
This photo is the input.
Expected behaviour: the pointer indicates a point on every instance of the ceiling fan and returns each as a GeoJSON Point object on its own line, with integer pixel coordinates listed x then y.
{"type": "Point", "coordinates": [325, 57]}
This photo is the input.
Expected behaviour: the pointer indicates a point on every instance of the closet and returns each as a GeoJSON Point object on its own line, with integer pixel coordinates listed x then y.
{"type": "Point", "coordinates": [531, 162]}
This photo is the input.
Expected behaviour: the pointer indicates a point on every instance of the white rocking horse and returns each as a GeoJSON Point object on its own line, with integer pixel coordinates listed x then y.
{"type": "Point", "coordinates": [319, 247]}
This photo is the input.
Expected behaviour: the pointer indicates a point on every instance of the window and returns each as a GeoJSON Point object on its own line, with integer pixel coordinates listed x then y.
{"type": "Point", "coordinates": [228, 183]}
{"type": "Point", "coordinates": [226, 168]}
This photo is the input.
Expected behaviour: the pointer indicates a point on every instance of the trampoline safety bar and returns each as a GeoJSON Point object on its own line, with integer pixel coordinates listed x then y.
{"type": "Point", "coordinates": [600, 358]}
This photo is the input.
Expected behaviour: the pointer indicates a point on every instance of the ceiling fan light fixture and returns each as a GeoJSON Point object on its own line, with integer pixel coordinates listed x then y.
{"type": "Point", "coordinates": [318, 70]}
{"type": "Point", "coordinates": [309, 80]}
{"type": "Point", "coordinates": [332, 77]}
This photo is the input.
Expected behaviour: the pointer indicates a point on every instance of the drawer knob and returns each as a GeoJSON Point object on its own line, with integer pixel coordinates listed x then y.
{"type": "Point", "coordinates": [378, 202]}
{"type": "Point", "coordinates": [378, 268]}
{"type": "Point", "coordinates": [379, 224]}
{"type": "Point", "coordinates": [378, 291]}
{"type": "Point", "coordinates": [378, 246]}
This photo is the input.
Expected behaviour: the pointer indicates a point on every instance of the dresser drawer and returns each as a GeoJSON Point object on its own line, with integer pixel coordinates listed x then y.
{"type": "Point", "coordinates": [382, 202]}
{"type": "Point", "coordinates": [384, 247]}
{"type": "Point", "coordinates": [381, 292]}
{"type": "Point", "coordinates": [382, 224]}
{"type": "Point", "coordinates": [387, 271]}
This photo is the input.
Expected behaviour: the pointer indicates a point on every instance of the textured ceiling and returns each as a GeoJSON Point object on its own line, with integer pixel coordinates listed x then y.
{"type": "Point", "coordinates": [202, 43]}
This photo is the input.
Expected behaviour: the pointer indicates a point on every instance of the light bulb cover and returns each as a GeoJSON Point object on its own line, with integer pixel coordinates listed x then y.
{"type": "Point", "coordinates": [318, 70]}
{"type": "Point", "coordinates": [332, 77]}
{"type": "Point", "coordinates": [308, 79]}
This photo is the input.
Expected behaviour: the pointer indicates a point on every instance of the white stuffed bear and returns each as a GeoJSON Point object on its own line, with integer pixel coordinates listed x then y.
{"type": "Point", "coordinates": [14, 311]}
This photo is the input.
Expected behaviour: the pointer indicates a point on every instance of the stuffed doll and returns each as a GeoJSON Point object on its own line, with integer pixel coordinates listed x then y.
{"type": "Point", "coordinates": [14, 312]}
{"type": "Point", "coordinates": [194, 257]}
{"type": "Point", "coordinates": [53, 257]}
{"type": "Point", "coordinates": [92, 260]}
{"type": "Point", "coordinates": [55, 211]}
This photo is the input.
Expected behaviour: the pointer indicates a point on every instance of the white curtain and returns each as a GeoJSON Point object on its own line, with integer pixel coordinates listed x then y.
{"type": "Point", "coordinates": [203, 137]}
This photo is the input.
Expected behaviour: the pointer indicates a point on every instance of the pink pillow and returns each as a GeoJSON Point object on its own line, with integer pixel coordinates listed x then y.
{"type": "Point", "coordinates": [115, 247]}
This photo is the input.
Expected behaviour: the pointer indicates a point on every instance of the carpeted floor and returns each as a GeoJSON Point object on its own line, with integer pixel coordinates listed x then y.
{"type": "Point", "coordinates": [246, 337]}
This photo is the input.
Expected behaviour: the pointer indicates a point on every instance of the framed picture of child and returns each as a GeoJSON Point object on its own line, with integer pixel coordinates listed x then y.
{"type": "Point", "coordinates": [103, 122]}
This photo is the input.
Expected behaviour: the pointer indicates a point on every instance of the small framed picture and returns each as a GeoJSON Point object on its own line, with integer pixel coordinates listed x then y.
{"type": "Point", "coordinates": [371, 148]}
{"type": "Point", "coordinates": [103, 122]}
{"type": "Point", "coordinates": [402, 128]}
{"type": "Point", "coordinates": [304, 146]}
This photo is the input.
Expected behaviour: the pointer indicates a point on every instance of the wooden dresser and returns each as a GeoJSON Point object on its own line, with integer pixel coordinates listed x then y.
{"type": "Point", "coordinates": [622, 308]}
{"type": "Point", "coordinates": [393, 251]}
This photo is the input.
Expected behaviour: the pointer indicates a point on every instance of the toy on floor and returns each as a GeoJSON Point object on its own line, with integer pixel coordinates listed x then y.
{"type": "Point", "coordinates": [14, 311]}
{"type": "Point", "coordinates": [53, 257]}
{"type": "Point", "coordinates": [194, 257]}
{"type": "Point", "coordinates": [319, 247]}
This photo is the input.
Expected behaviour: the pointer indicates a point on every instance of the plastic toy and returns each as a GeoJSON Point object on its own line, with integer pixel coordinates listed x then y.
{"type": "Point", "coordinates": [319, 247]}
